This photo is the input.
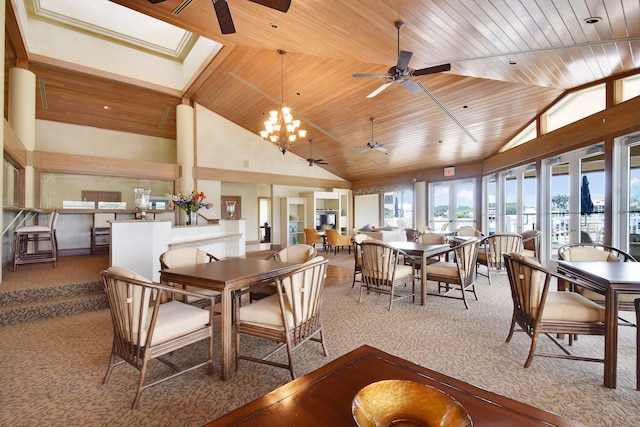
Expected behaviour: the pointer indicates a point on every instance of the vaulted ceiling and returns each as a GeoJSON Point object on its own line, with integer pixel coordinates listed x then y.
{"type": "Point", "coordinates": [509, 61]}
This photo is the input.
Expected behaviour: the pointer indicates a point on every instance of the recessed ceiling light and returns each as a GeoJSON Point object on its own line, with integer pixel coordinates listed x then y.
{"type": "Point", "coordinates": [592, 20]}
{"type": "Point", "coordinates": [274, 26]}
{"type": "Point", "coordinates": [106, 107]}
{"type": "Point", "coordinates": [465, 107]}
{"type": "Point", "coordinates": [512, 63]}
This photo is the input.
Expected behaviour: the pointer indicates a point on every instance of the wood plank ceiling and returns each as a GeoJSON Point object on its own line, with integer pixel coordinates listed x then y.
{"type": "Point", "coordinates": [510, 60]}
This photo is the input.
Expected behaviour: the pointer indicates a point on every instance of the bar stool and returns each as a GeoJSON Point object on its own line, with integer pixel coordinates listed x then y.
{"type": "Point", "coordinates": [101, 230]}
{"type": "Point", "coordinates": [28, 239]}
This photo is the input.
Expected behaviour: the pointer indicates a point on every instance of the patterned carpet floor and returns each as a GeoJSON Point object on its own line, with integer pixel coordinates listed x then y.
{"type": "Point", "coordinates": [52, 370]}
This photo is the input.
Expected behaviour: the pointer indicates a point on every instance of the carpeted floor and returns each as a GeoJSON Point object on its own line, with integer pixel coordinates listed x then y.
{"type": "Point", "coordinates": [52, 370]}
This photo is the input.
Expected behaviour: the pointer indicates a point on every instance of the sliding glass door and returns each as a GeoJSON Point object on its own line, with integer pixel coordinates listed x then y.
{"type": "Point", "coordinates": [573, 199]}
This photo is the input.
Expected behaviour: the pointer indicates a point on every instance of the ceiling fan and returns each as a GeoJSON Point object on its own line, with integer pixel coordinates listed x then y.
{"type": "Point", "coordinates": [224, 13]}
{"type": "Point", "coordinates": [401, 71]}
{"type": "Point", "coordinates": [313, 161]}
{"type": "Point", "coordinates": [373, 145]}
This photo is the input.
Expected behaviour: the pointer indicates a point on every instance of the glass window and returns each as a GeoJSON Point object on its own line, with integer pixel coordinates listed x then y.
{"type": "Point", "coordinates": [576, 106]}
{"type": "Point", "coordinates": [526, 134]}
{"type": "Point", "coordinates": [11, 184]}
{"type": "Point", "coordinates": [398, 209]}
{"type": "Point", "coordinates": [630, 87]}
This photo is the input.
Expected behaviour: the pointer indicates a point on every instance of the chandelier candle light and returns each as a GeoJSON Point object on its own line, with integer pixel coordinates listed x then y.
{"type": "Point", "coordinates": [281, 130]}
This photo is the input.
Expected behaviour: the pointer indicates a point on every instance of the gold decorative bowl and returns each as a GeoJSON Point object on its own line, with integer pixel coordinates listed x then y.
{"type": "Point", "coordinates": [406, 403]}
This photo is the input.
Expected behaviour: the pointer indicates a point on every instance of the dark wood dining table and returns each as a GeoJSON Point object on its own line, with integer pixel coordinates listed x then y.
{"type": "Point", "coordinates": [424, 251]}
{"type": "Point", "coordinates": [324, 396]}
{"type": "Point", "coordinates": [227, 276]}
{"type": "Point", "coordinates": [610, 279]}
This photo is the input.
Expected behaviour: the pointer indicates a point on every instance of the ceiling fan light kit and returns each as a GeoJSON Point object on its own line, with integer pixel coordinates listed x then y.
{"type": "Point", "coordinates": [281, 129]}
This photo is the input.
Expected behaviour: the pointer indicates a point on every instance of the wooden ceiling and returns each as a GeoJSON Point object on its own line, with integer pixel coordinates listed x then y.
{"type": "Point", "coordinates": [462, 117]}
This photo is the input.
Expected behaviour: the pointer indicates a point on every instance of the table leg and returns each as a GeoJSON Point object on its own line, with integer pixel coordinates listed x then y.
{"type": "Point", "coordinates": [611, 338]}
{"type": "Point", "coordinates": [226, 334]}
{"type": "Point", "coordinates": [423, 280]}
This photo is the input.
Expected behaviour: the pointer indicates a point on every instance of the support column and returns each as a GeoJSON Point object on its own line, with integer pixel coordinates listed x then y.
{"type": "Point", "coordinates": [22, 118]}
{"type": "Point", "coordinates": [185, 146]}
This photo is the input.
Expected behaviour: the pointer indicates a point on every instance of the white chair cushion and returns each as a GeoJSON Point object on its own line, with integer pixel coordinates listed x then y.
{"type": "Point", "coordinates": [265, 313]}
{"type": "Point", "coordinates": [403, 271]}
{"type": "Point", "coordinates": [176, 319]}
{"type": "Point", "coordinates": [588, 254]}
{"type": "Point", "coordinates": [441, 268]}
{"type": "Point", "coordinates": [204, 292]}
{"type": "Point", "coordinates": [33, 229]}
{"type": "Point", "coordinates": [571, 306]}
{"type": "Point", "coordinates": [528, 253]}
{"type": "Point", "coordinates": [594, 296]}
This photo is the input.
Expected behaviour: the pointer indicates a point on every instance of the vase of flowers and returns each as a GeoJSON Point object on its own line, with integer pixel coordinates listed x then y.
{"type": "Point", "coordinates": [190, 204]}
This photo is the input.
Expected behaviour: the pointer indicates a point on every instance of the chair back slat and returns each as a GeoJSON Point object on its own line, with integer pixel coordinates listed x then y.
{"type": "Point", "coordinates": [300, 297]}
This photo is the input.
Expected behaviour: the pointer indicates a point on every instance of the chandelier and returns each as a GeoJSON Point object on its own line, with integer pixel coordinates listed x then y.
{"type": "Point", "coordinates": [281, 130]}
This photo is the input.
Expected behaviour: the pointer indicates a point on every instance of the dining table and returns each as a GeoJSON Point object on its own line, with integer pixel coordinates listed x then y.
{"type": "Point", "coordinates": [227, 276]}
{"type": "Point", "coordinates": [610, 279]}
{"type": "Point", "coordinates": [424, 251]}
{"type": "Point", "coordinates": [324, 397]}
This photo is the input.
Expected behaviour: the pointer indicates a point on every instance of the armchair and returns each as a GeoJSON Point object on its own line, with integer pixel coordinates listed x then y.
{"type": "Point", "coordinates": [290, 317]}
{"type": "Point", "coordinates": [490, 255]}
{"type": "Point", "coordinates": [531, 244]}
{"type": "Point", "coordinates": [145, 328]}
{"type": "Point", "coordinates": [537, 310]}
{"type": "Point", "coordinates": [181, 257]}
{"type": "Point", "coordinates": [336, 241]}
{"type": "Point", "coordinates": [598, 252]}
{"type": "Point", "coordinates": [382, 271]}
{"type": "Point", "coordinates": [459, 274]}
{"type": "Point", "coordinates": [312, 237]}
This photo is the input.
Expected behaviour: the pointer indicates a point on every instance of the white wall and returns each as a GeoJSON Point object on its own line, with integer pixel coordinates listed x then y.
{"type": "Point", "coordinates": [366, 210]}
{"type": "Point", "coordinates": [90, 141]}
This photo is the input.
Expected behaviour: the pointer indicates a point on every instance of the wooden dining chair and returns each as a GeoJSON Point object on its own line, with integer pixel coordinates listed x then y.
{"type": "Point", "coordinates": [357, 254]}
{"type": "Point", "coordinates": [182, 257]}
{"type": "Point", "coordinates": [538, 310]}
{"type": "Point", "coordinates": [458, 274]}
{"type": "Point", "coordinates": [492, 248]}
{"type": "Point", "coordinates": [599, 252]}
{"type": "Point", "coordinates": [384, 272]}
{"type": "Point", "coordinates": [298, 254]}
{"type": "Point", "coordinates": [145, 327]}
{"type": "Point", "coordinates": [290, 317]}
{"type": "Point", "coordinates": [531, 243]}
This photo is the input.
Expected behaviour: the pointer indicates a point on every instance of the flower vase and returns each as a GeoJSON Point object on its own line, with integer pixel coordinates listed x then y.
{"type": "Point", "coordinates": [192, 218]}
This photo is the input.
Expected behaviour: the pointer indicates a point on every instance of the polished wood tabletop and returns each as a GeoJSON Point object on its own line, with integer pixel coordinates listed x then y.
{"type": "Point", "coordinates": [227, 276]}
{"type": "Point", "coordinates": [323, 397]}
{"type": "Point", "coordinates": [424, 251]}
{"type": "Point", "coordinates": [609, 279]}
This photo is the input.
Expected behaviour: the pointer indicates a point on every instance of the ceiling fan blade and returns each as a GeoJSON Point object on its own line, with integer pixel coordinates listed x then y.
{"type": "Point", "coordinates": [281, 5]}
{"type": "Point", "coordinates": [403, 60]}
{"type": "Point", "coordinates": [374, 76]}
{"type": "Point", "coordinates": [380, 89]}
{"type": "Point", "coordinates": [381, 148]}
{"type": "Point", "coordinates": [411, 86]}
{"type": "Point", "coordinates": [224, 16]}
{"type": "Point", "coordinates": [432, 70]}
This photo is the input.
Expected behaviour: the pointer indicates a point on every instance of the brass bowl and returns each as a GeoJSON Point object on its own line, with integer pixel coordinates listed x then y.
{"type": "Point", "coordinates": [406, 403]}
